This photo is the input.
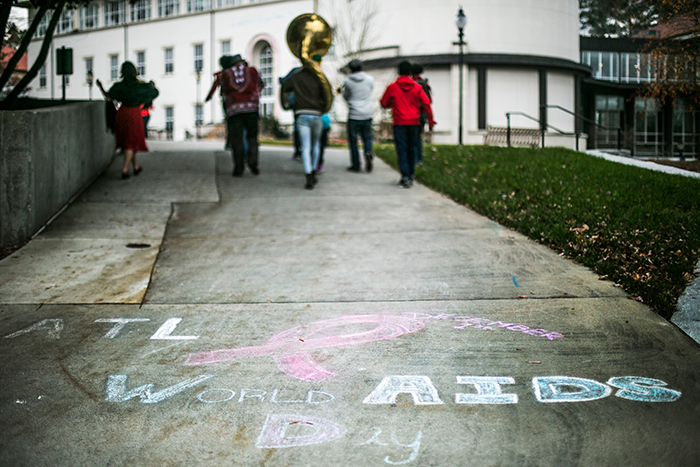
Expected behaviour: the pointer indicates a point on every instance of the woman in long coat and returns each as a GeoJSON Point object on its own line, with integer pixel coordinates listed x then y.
{"type": "Point", "coordinates": [129, 132]}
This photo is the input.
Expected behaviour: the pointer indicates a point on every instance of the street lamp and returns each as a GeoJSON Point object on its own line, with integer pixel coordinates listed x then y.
{"type": "Point", "coordinates": [90, 78]}
{"type": "Point", "coordinates": [461, 22]}
{"type": "Point", "coordinates": [197, 109]}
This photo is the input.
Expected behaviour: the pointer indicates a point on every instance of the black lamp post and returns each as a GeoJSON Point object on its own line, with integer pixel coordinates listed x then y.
{"type": "Point", "coordinates": [196, 114]}
{"type": "Point", "coordinates": [90, 78]}
{"type": "Point", "coordinates": [461, 22]}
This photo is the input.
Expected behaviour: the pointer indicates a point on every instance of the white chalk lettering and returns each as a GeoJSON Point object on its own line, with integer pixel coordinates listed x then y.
{"type": "Point", "coordinates": [415, 445]}
{"type": "Point", "coordinates": [274, 400]}
{"type": "Point", "coordinates": [286, 431]}
{"type": "Point", "coordinates": [311, 397]}
{"type": "Point", "coordinates": [119, 324]}
{"type": "Point", "coordinates": [419, 387]}
{"type": "Point", "coordinates": [488, 390]}
{"type": "Point", "coordinates": [53, 328]}
{"type": "Point", "coordinates": [117, 389]}
{"type": "Point", "coordinates": [164, 332]}
{"type": "Point", "coordinates": [225, 395]}
{"type": "Point", "coordinates": [568, 389]}
{"type": "Point", "coordinates": [245, 394]}
{"type": "Point", "coordinates": [636, 388]}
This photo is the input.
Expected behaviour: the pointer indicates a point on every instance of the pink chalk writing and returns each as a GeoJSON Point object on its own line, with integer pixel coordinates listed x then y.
{"type": "Point", "coordinates": [291, 349]}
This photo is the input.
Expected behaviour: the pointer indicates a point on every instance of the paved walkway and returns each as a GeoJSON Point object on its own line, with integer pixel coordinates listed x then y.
{"type": "Point", "coordinates": [186, 317]}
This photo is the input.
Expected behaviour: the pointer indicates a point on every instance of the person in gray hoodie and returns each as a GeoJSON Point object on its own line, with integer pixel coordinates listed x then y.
{"type": "Point", "coordinates": [357, 91]}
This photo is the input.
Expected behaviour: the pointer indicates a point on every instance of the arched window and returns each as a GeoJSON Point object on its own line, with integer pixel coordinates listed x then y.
{"type": "Point", "coordinates": [265, 65]}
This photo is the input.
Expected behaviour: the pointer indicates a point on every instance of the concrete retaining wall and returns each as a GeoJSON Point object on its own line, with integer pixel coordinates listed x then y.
{"type": "Point", "coordinates": [46, 157]}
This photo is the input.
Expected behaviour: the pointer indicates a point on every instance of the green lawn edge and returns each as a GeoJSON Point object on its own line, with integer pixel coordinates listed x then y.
{"type": "Point", "coordinates": [637, 227]}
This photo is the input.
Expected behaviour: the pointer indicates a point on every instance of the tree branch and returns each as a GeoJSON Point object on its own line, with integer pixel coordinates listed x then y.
{"type": "Point", "coordinates": [45, 46]}
{"type": "Point", "coordinates": [24, 45]}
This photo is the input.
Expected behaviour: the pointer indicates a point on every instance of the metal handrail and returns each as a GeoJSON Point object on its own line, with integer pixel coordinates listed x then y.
{"type": "Point", "coordinates": [542, 127]}
{"type": "Point", "coordinates": [593, 122]}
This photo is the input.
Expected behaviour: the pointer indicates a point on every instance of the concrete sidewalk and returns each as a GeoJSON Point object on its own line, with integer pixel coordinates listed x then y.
{"type": "Point", "coordinates": [188, 317]}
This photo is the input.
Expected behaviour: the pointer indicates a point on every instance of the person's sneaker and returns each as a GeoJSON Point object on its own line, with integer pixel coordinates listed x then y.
{"type": "Point", "coordinates": [254, 170]}
{"type": "Point", "coordinates": [368, 161]}
{"type": "Point", "coordinates": [353, 170]}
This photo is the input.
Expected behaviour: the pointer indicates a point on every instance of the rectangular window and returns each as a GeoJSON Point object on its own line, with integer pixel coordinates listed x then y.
{"type": "Point", "coordinates": [225, 47]}
{"type": "Point", "coordinates": [114, 13]}
{"type": "Point", "coordinates": [88, 16]}
{"type": "Point", "coordinates": [141, 10]}
{"type": "Point", "coordinates": [198, 57]}
{"type": "Point", "coordinates": [44, 24]}
{"type": "Point", "coordinates": [88, 67]}
{"type": "Point", "coordinates": [141, 63]}
{"type": "Point", "coordinates": [169, 61]}
{"type": "Point", "coordinates": [114, 67]}
{"type": "Point", "coordinates": [225, 3]}
{"type": "Point", "coordinates": [198, 115]}
{"type": "Point", "coordinates": [197, 5]}
{"type": "Point", "coordinates": [65, 23]}
{"type": "Point", "coordinates": [266, 70]}
{"type": "Point", "coordinates": [169, 121]}
{"type": "Point", "coordinates": [168, 7]}
{"type": "Point", "coordinates": [42, 77]}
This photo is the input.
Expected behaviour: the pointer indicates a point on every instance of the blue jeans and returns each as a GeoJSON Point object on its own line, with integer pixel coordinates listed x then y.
{"type": "Point", "coordinates": [364, 128]}
{"type": "Point", "coordinates": [310, 128]}
{"type": "Point", "coordinates": [407, 141]}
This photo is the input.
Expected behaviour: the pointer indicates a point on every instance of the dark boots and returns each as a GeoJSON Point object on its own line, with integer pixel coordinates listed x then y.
{"type": "Point", "coordinates": [311, 180]}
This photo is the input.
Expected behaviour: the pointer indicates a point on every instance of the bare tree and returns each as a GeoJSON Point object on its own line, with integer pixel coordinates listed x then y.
{"type": "Point", "coordinates": [354, 23]}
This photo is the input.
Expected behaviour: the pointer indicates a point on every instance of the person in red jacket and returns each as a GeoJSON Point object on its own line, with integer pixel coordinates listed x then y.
{"type": "Point", "coordinates": [407, 101]}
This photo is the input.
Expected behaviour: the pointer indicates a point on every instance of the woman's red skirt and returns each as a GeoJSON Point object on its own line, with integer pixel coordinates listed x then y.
{"type": "Point", "coordinates": [129, 130]}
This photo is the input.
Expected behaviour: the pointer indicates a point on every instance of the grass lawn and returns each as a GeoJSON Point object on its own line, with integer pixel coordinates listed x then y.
{"type": "Point", "coordinates": [636, 227]}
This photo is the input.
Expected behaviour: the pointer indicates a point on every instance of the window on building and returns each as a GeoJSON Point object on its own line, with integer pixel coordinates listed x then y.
{"type": "Point", "coordinates": [114, 67]}
{"type": "Point", "coordinates": [648, 123]}
{"type": "Point", "coordinates": [685, 134]}
{"type": "Point", "coordinates": [225, 47]}
{"type": "Point", "coordinates": [65, 23]}
{"type": "Point", "coordinates": [198, 115]}
{"type": "Point", "coordinates": [225, 3]}
{"type": "Point", "coordinates": [609, 114]}
{"type": "Point", "coordinates": [42, 77]}
{"type": "Point", "coordinates": [141, 63]}
{"type": "Point", "coordinates": [88, 67]}
{"type": "Point", "coordinates": [198, 57]}
{"type": "Point", "coordinates": [265, 65]}
{"type": "Point", "coordinates": [605, 65]}
{"type": "Point", "coordinates": [266, 70]}
{"type": "Point", "coordinates": [198, 5]}
{"type": "Point", "coordinates": [168, 7]}
{"type": "Point", "coordinates": [141, 10]}
{"type": "Point", "coordinates": [114, 13]}
{"type": "Point", "coordinates": [169, 61]}
{"type": "Point", "coordinates": [169, 121]}
{"type": "Point", "coordinates": [88, 16]}
{"type": "Point", "coordinates": [44, 24]}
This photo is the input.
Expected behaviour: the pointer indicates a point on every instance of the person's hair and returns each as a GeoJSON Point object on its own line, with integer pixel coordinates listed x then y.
{"type": "Point", "coordinates": [226, 61]}
{"type": "Point", "coordinates": [405, 68]}
{"type": "Point", "coordinates": [416, 69]}
{"type": "Point", "coordinates": [129, 72]}
{"type": "Point", "coordinates": [355, 65]}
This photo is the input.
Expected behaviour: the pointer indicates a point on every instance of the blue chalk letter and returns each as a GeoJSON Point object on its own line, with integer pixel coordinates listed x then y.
{"type": "Point", "coordinates": [636, 388]}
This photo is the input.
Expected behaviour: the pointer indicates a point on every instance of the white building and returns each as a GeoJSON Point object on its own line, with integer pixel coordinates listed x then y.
{"type": "Point", "coordinates": [519, 55]}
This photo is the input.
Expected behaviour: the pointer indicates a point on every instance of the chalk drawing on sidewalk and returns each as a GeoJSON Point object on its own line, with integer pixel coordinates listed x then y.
{"type": "Point", "coordinates": [291, 349]}
{"type": "Point", "coordinates": [488, 390]}
{"type": "Point", "coordinates": [52, 328]}
{"type": "Point", "coordinates": [117, 389]}
{"type": "Point", "coordinates": [421, 388]}
{"type": "Point", "coordinates": [414, 446]}
{"type": "Point", "coordinates": [286, 431]}
{"type": "Point", "coordinates": [487, 324]}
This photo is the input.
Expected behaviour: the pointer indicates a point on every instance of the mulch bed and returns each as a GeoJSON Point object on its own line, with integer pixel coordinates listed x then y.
{"type": "Point", "coordinates": [691, 166]}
